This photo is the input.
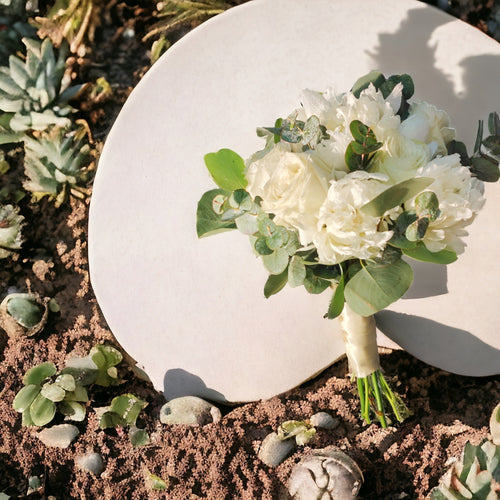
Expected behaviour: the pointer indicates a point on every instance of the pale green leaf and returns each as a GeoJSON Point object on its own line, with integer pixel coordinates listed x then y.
{"type": "Point", "coordinates": [39, 373]}
{"type": "Point", "coordinates": [420, 252]}
{"type": "Point", "coordinates": [277, 261]}
{"type": "Point", "coordinates": [227, 169]}
{"type": "Point", "coordinates": [396, 195]}
{"type": "Point", "coordinates": [275, 283]}
{"type": "Point", "coordinates": [54, 392]}
{"type": "Point", "coordinates": [25, 397]}
{"type": "Point", "coordinates": [42, 410]}
{"type": "Point", "coordinates": [374, 287]}
{"type": "Point", "coordinates": [73, 410]}
{"type": "Point", "coordinates": [296, 271]}
{"type": "Point", "coordinates": [337, 303]}
{"type": "Point", "coordinates": [207, 221]}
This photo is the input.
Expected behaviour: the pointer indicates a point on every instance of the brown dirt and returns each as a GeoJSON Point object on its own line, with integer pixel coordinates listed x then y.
{"type": "Point", "coordinates": [218, 461]}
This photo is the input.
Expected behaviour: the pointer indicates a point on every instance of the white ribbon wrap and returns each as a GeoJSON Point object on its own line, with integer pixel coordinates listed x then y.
{"type": "Point", "coordinates": [360, 339]}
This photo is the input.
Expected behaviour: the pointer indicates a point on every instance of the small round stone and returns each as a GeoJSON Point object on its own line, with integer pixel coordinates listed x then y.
{"type": "Point", "coordinates": [58, 436]}
{"type": "Point", "coordinates": [323, 420]}
{"type": "Point", "coordinates": [273, 450]}
{"type": "Point", "coordinates": [91, 462]}
{"type": "Point", "coordinates": [189, 410]}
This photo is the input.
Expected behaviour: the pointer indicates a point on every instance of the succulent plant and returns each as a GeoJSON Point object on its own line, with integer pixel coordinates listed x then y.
{"type": "Point", "coordinates": [12, 31]}
{"type": "Point", "coordinates": [301, 431]}
{"type": "Point", "coordinates": [10, 230]}
{"type": "Point", "coordinates": [23, 314]}
{"type": "Point", "coordinates": [57, 164]}
{"type": "Point", "coordinates": [175, 14]}
{"type": "Point", "coordinates": [477, 475]}
{"type": "Point", "coordinates": [73, 20]}
{"type": "Point", "coordinates": [46, 391]}
{"type": "Point", "coordinates": [32, 92]}
{"type": "Point", "coordinates": [327, 473]}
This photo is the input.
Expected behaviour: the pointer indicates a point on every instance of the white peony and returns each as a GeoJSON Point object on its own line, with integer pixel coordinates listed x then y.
{"type": "Point", "coordinates": [292, 187]}
{"type": "Point", "coordinates": [460, 197]}
{"type": "Point", "coordinates": [344, 231]}
{"type": "Point", "coordinates": [428, 124]}
{"type": "Point", "coordinates": [400, 157]}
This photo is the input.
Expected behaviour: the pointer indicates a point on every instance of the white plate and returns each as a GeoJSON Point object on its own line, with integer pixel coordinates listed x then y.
{"type": "Point", "coordinates": [192, 312]}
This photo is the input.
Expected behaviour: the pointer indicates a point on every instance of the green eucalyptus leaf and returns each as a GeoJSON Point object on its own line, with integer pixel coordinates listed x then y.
{"type": "Point", "coordinates": [25, 397]}
{"type": "Point", "coordinates": [374, 287]}
{"type": "Point", "coordinates": [275, 240]}
{"type": "Point", "coordinates": [420, 252]}
{"type": "Point", "coordinates": [396, 195]}
{"type": "Point", "coordinates": [416, 230]}
{"type": "Point", "coordinates": [399, 238]}
{"type": "Point", "coordinates": [227, 169]}
{"type": "Point", "coordinates": [338, 299]}
{"type": "Point", "coordinates": [461, 149]}
{"type": "Point", "coordinates": [312, 131]}
{"type": "Point", "coordinates": [296, 271]}
{"type": "Point", "coordinates": [327, 272]}
{"type": "Point", "coordinates": [267, 227]}
{"type": "Point", "coordinates": [261, 246]}
{"type": "Point", "coordinates": [26, 310]}
{"type": "Point", "coordinates": [275, 283]}
{"type": "Point", "coordinates": [375, 77]}
{"type": "Point", "coordinates": [485, 168]}
{"type": "Point", "coordinates": [352, 160]}
{"type": "Point", "coordinates": [207, 221]}
{"type": "Point", "coordinates": [427, 205]}
{"type": "Point", "coordinates": [314, 284]}
{"type": "Point", "coordinates": [293, 243]}
{"type": "Point", "coordinates": [364, 149]}
{"type": "Point", "coordinates": [54, 392]}
{"type": "Point", "coordinates": [39, 373]}
{"type": "Point", "coordinates": [277, 261]}
{"type": "Point", "coordinates": [42, 410]}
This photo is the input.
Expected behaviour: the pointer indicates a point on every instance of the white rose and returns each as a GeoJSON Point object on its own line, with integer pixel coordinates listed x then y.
{"type": "Point", "coordinates": [428, 124]}
{"type": "Point", "coordinates": [460, 198]}
{"type": "Point", "coordinates": [292, 187]}
{"type": "Point", "coordinates": [344, 231]}
{"type": "Point", "coordinates": [400, 157]}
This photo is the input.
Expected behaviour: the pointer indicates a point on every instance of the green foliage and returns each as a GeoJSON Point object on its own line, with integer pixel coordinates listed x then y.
{"type": "Point", "coordinates": [299, 430]}
{"type": "Point", "coordinates": [70, 20]}
{"type": "Point", "coordinates": [360, 151]}
{"type": "Point", "coordinates": [14, 29]}
{"type": "Point", "coordinates": [57, 163]}
{"type": "Point", "coordinates": [377, 285]}
{"type": "Point", "coordinates": [395, 195]}
{"type": "Point", "coordinates": [477, 475]}
{"type": "Point", "coordinates": [156, 483]}
{"type": "Point", "coordinates": [309, 133]}
{"type": "Point", "coordinates": [32, 93]}
{"type": "Point", "coordinates": [47, 391]}
{"type": "Point", "coordinates": [483, 166]}
{"type": "Point", "coordinates": [386, 86]}
{"type": "Point", "coordinates": [176, 14]}
{"type": "Point", "coordinates": [11, 223]}
{"type": "Point", "coordinates": [227, 169]}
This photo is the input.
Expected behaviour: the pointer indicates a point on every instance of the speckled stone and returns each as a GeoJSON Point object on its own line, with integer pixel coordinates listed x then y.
{"type": "Point", "coordinates": [189, 410]}
{"type": "Point", "coordinates": [59, 436]}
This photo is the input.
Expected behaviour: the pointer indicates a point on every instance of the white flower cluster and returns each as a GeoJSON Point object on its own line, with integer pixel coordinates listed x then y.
{"type": "Point", "coordinates": [314, 192]}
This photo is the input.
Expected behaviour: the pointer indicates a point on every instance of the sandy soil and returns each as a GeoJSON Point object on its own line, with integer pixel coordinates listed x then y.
{"type": "Point", "coordinates": [216, 461]}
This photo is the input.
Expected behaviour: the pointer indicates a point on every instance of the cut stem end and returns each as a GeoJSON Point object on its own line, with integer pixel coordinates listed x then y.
{"type": "Point", "coordinates": [377, 398]}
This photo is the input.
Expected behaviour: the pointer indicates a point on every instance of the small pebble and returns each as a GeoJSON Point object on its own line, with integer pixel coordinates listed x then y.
{"type": "Point", "coordinates": [58, 436]}
{"type": "Point", "coordinates": [273, 450]}
{"type": "Point", "coordinates": [189, 410]}
{"type": "Point", "coordinates": [91, 462]}
{"type": "Point", "coordinates": [324, 420]}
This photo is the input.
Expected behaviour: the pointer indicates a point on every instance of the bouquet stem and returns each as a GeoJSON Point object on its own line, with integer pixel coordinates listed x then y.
{"type": "Point", "coordinates": [375, 394]}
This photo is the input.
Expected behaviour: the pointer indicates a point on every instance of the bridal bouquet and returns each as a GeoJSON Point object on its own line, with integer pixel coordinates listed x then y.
{"type": "Point", "coordinates": [344, 188]}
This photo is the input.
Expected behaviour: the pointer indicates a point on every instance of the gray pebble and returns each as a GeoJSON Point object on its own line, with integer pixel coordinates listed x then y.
{"type": "Point", "coordinates": [189, 410]}
{"type": "Point", "coordinates": [59, 436]}
{"type": "Point", "coordinates": [323, 420]}
{"type": "Point", "coordinates": [91, 462]}
{"type": "Point", "coordinates": [273, 450]}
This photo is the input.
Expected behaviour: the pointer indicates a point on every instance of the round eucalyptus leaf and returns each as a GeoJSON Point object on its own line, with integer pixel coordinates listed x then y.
{"type": "Point", "coordinates": [54, 392]}
{"type": "Point", "coordinates": [25, 397]}
{"type": "Point", "coordinates": [42, 410]}
{"type": "Point", "coordinates": [79, 394]}
{"type": "Point", "coordinates": [247, 224]}
{"type": "Point", "coordinates": [39, 373]}
{"type": "Point", "coordinates": [261, 246]}
{"type": "Point", "coordinates": [277, 261]}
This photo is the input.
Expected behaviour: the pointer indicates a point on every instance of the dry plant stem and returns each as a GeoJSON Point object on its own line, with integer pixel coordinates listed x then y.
{"type": "Point", "coordinates": [360, 339]}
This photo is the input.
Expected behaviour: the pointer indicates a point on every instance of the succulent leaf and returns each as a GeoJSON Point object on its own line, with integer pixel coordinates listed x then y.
{"type": "Point", "coordinates": [10, 230]}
